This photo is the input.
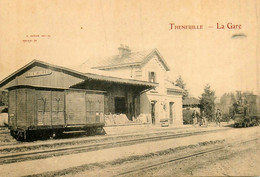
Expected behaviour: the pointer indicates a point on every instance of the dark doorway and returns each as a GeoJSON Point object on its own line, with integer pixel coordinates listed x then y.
{"type": "Point", "coordinates": [171, 112]}
{"type": "Point", "coordinates": [153, 111]}
{"type": "Point", "coordinates": [120, 106]}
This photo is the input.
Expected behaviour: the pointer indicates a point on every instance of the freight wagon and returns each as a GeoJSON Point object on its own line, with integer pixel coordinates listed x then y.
{"type": "Point", "coordinates": [46, 100]}
{"type": "Point", "coordinates": [44, 112]}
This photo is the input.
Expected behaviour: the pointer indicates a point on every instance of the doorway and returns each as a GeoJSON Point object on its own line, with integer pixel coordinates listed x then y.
{"type": "Point", "coordinates": [171, 104]}
{"type": "Point", "coordinates": [120, 105]}
{"type": "Point", "coordinates": [153, 111]}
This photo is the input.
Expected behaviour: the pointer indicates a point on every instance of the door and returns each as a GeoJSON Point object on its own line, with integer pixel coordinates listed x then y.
{"type": "Point", "coordinates": [43, 101]}
{"type": "Point", "coordinates": [57, 108]}
{"type": "Point", "coordinates": [153, 111]}
{"type": "Point", "coordinates": [171, 112]}
{"type": "Point", "coordinates": [21, 107]}
{"type": "Point", "coordinates": [120, 105]}
{"type": "Point", "coordinates": [12, 108]}
{"type": "Point", "coordinates": [94, 108]}
{"type": "Point", "coordinates": [75, 107]}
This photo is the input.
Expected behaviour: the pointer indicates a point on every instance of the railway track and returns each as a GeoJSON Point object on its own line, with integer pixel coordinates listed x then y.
{"type": "Point", "coordinates": [136, 170]}
{"type": "Point", "coordinates": [77, 138]}
{"type": "Point", "coordinates": [40, 154]}
{"type": "Point", "coordinates": [22, 147]}
{"type": "Point", "coordinates": [4, 132]}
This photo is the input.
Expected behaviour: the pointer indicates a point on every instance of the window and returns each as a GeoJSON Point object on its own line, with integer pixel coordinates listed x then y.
{"type": "Point", "coordinates": [152, 77]}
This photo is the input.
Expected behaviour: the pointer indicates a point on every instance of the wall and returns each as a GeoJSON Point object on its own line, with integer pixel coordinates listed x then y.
{"type": "Point", "coordinates": [141, 72]}
{"type": "Point", "coordinates": [177, 108]}
{"type": "Point", "coordinates": [54, 79]}
{"type": "Point", "coordinates": [131, 100]}
{"type": "Point", "coordinates": [154, 65]}
{"type": "Point", "coordinates": [116, 90]}
{"type": "Point", "coordinates": [21, 107]}
{"type": "Point", "coordinates": [160, 94]}
{"type": "Point", "coordinates": [123, 71]}
{"type": "Point", "coordinates": [162, 109]}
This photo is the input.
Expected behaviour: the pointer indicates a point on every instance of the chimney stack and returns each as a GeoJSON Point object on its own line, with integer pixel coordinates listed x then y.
{"type": "Point", "coordinates": [123, 50]}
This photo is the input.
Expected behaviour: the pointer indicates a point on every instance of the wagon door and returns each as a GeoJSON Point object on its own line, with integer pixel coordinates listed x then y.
{"type": "Point", "coordinates": [94, 108]}
{"type": "Point", "coordinates": [75, 107]}
{"type": "Point", "coordinates": [57, 108]}
{"type": "Point", "coordinates": [43, 101]}
{"type": "Point", "coordinates": [12, 108]}
{"type": "Point", "coordinates": [21, 118]}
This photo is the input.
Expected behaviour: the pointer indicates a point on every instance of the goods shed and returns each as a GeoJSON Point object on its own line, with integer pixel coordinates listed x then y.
{"type": "Point", "coordinates": [45, 96]}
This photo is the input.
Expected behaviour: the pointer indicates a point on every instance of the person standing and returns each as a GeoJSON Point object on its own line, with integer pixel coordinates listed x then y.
{"type": "Point", "coordinates": [218, 117]}
{"type": "Point", "coordinates": [195, 116]}
{"type": "Point", "coordinates": [204, 119]}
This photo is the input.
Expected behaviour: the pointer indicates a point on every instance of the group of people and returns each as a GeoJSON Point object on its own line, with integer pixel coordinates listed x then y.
{"type": "Point", "coordinates": [202, 120]}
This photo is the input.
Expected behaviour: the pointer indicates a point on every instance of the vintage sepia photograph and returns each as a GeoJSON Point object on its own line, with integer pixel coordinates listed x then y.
{"type": "Point", "coordinates": [129, 88]}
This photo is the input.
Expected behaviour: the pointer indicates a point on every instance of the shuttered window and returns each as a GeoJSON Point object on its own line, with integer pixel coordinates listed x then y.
{"type": "Point", "coordinates": [152, 76]}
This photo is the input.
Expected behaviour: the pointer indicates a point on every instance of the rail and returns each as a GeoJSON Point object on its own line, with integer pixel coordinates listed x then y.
{"type": "Point", "coordinates": [151, 166]}
{"type": "Point", "coordinates": [40, 154]}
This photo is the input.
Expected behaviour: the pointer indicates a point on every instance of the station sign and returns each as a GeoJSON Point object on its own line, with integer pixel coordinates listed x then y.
{"type": "Point", "coordinates": [38, 73]}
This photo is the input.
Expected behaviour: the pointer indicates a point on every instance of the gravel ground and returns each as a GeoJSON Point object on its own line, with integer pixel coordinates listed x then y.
{"type": "Point", "coordinates": [238, 160]}
{"type": "Point", "coordinates": [118, 166]}
{"type": "Point", "coordinates": [6, 138]}
{"type": "Point", "coordinates": [81, 163]}
{"type": "Point", "coordinates": [101, 157]}
{"type": "Point", "coordinates": [242, 160]}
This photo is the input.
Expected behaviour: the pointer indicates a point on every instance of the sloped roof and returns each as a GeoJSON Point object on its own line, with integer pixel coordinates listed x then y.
{"type": "Point", "coordinates": [78, 74]}
{"type": "Point", "coordinates": [191, 101]}
{"type": "Point", "coordinates": [133, 58]}
{"type": "Point", "coordinates": [103, 72]}
{"type": "Point", "coordinates": [171, 86]}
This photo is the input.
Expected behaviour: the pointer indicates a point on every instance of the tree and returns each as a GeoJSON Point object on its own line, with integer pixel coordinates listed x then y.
{"type": "Point", "coordinates": [3, 98]}
{"type": "Point", "coordinates": [180, 83]}
{"type": "Point", "coordinates": [227, 100]}
{"type": "Point", "coordinates": [207, 102]}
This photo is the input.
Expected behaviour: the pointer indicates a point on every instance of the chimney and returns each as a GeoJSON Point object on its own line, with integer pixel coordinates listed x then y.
{"type": "Point", "coordinates": [123, 50]}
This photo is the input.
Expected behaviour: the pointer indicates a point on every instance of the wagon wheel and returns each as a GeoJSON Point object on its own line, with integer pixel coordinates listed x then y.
{"type": "Point", "coordinates": [12, 133]}
{"type": "Point", "coordinates": [58, 134]}
{"type": "Point", "coordinates": [20, 136]}
{"type": "Point", "coordinates": [91, 131]}
{"type": "Point", "coordinates": [100, 131]}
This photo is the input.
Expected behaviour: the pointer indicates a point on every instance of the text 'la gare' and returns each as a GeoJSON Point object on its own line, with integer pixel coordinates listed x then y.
{"type": "Point", "coordinates": [229, 26]}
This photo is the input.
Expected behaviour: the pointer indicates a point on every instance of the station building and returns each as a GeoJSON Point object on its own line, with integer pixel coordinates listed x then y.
{"type": "Point", "coordinates": [134, 84]}
{"type": "Point", "coordinates": [162, 102]}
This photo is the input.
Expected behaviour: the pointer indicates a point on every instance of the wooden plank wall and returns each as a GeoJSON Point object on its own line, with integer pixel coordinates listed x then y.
{"type": "Point", "coordinates": [12, 108]}
{"type": "Point", "coordinates": [94, 107]}
{"type": "Point", "coordinates": [54, 79]}
{"type": "Point", "coordinates": [21, 107]}
{"type": "Point", "coordinates": [30, 107]}
{"type": "Point", "coordinates": [34, 107]}
{"type": "Point", "coordinates": [58, 105]}
{"type": "Point", "coordinates": [43, 108]}
{"type": "Point", "coordinates": [75, 107]}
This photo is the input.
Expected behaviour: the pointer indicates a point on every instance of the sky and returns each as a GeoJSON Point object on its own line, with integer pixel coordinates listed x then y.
{"type": "Point", "coordinates": [69, 32]}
